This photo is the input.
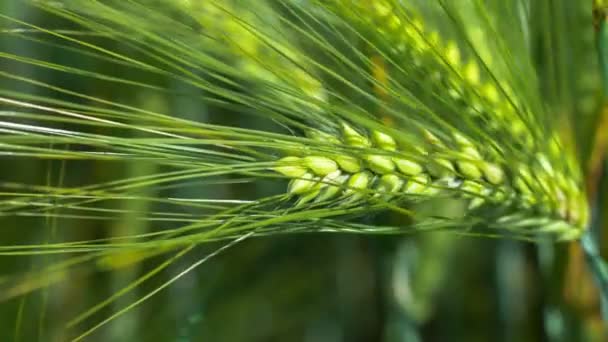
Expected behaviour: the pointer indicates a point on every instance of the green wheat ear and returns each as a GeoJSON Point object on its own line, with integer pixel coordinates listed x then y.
{"type": "Point", "coordinates": [531, 181]}
{"type": "Point", "coordinates": [456, 167]}
{"type": "Point", "coordinates": [388, 105]}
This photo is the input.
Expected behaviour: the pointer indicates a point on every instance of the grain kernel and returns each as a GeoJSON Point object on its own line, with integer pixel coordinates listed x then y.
{"type": "Point", "coordinates": [321, 166]}
{"type": "Point", "coordinates": [302, 185]}
{"type": "Point", "coordinates": [349, 164]}
{"type": "Point", "coordinates": [408, 167]}
{"type": "Point", "coordinates": [380, 164]}
{"type": "Point", "coordinates": [290, 167]}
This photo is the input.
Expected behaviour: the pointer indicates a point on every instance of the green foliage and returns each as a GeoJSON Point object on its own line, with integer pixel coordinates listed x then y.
{"type": "Point", "coordinates": [142, 132]}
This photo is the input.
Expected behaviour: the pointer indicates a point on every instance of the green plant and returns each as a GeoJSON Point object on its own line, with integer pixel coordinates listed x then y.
{"type": "Point", "coordinates": [421, 115]}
